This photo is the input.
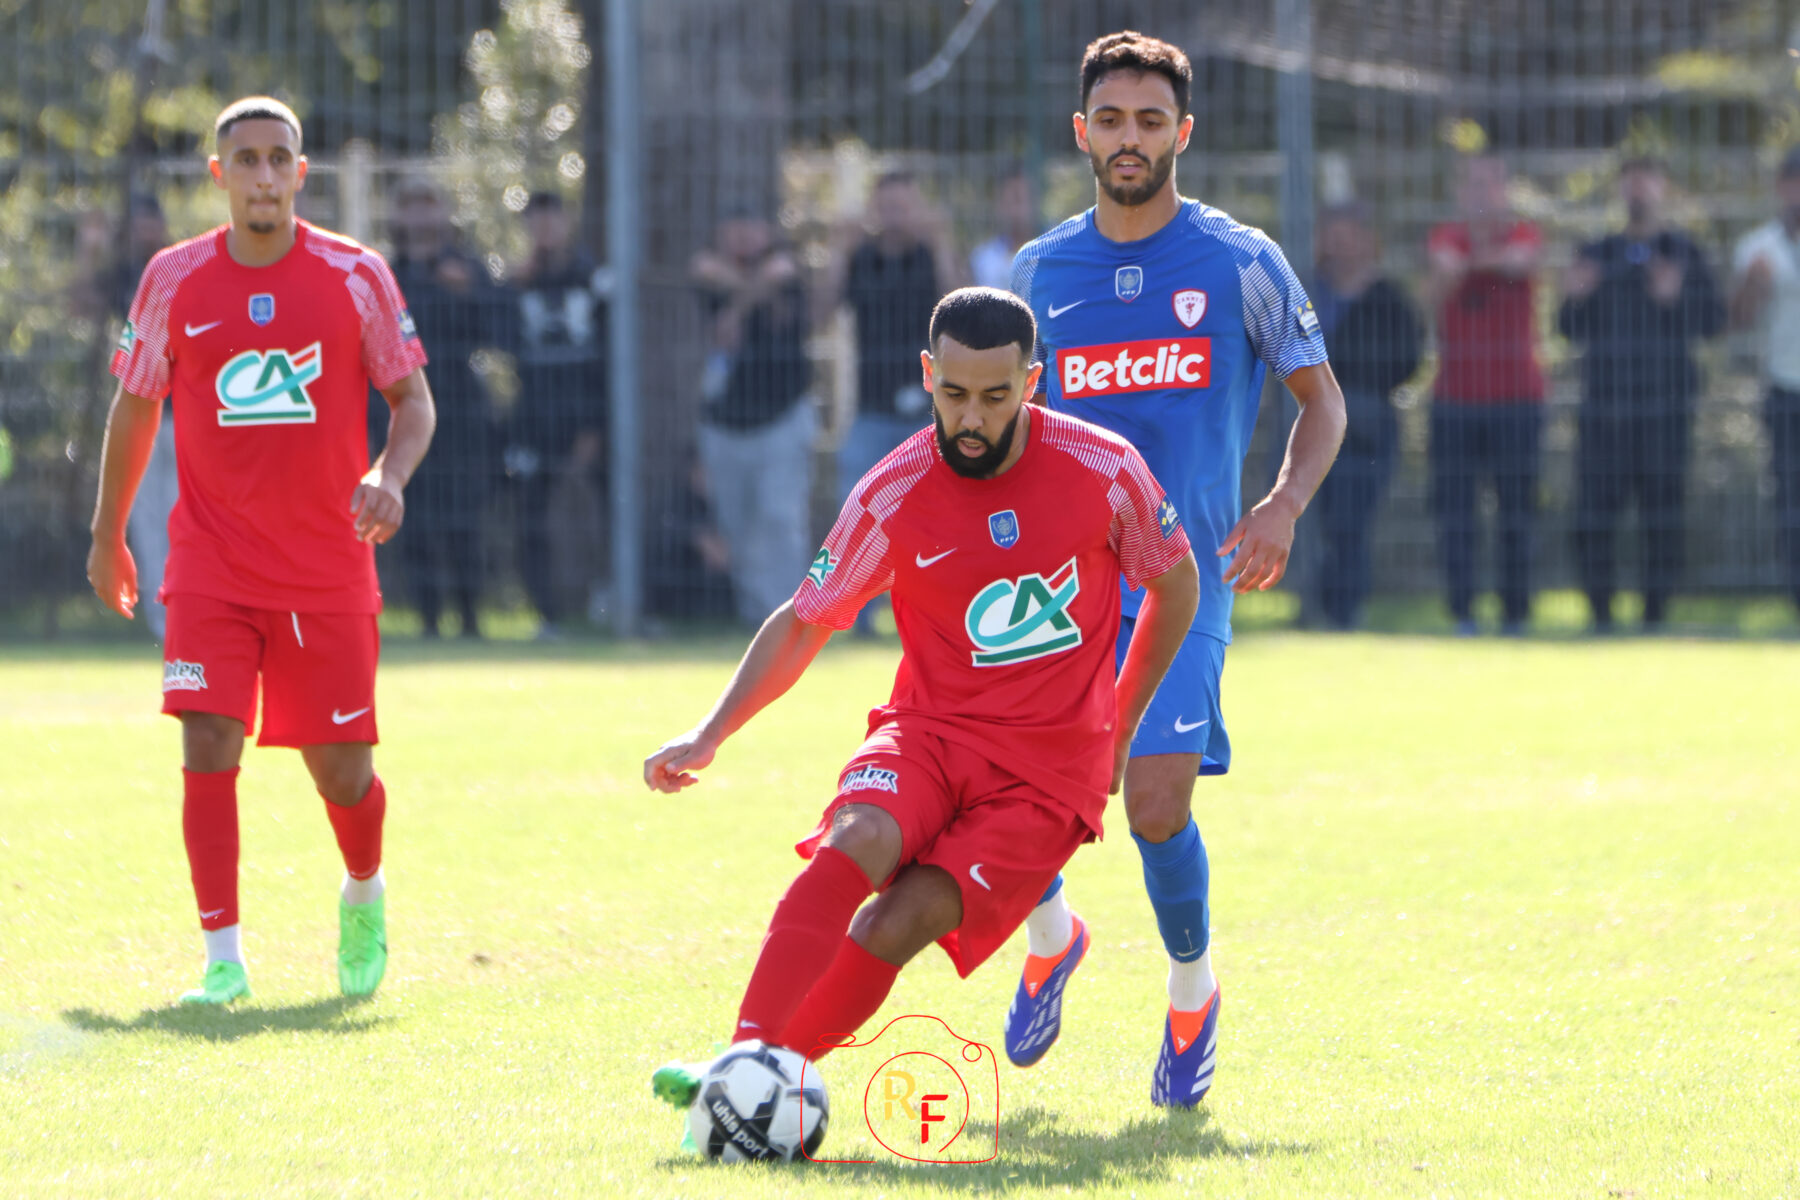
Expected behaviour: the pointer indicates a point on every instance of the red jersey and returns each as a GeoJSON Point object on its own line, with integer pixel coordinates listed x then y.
{"type": "Point", "coordinates": [1005, 591]}
{"type": "Point", "coordinates": [1487, 328]}
{"type": "Point", "coordinates": [269, 371]}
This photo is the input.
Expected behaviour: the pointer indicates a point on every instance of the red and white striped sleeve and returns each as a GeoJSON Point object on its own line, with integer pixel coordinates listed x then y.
{"type": "Point", "coordinates": [142, 361]}
{"type": "Point", "coordinates": [851, 568]}
{"type": "Point", "coordinates": [1146, 530]}
{"type": "Point", "coordinates": [390, 344]}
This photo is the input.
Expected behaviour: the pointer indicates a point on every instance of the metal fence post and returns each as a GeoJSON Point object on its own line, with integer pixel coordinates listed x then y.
{"type": "Point", "coordinates": [624, 222]}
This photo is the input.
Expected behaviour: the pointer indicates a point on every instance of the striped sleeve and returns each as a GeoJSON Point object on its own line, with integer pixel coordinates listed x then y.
{"type": "Point", "coordinates": [1278, 316]}
{"type": "Point", "coordinates": [1024, 268]}
{"type": "Point", "coordinates": [142, 360]}
{"type": "Point", "coordinates": [1146, 531]}
{"type": "Point", "coordinates": [851, 568]}
{"type": "Point", "coordinates": [390, 343]}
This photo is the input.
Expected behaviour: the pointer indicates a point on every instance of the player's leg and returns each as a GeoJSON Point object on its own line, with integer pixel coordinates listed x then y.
{"type": "Point", "coordinates": [210, 659]}
{"type": "Point", "coordinates": [892, 797]}
{"type": "Point", "coordinates": [320, 699]}
{"type": "Point", "coordinates": [1182, 736]}
{"type": "Point", "coordinates": [922, 905]}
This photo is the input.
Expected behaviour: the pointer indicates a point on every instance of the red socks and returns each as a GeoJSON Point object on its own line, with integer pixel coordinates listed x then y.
{"type": "Point", "coordinates": [808, 924]}
{"type": "Point", "coordinates": [209, 826]}
{"type": "Point", "coordinates": [847, 995]}
{"type": "Point", "coordinates": [358, 829]}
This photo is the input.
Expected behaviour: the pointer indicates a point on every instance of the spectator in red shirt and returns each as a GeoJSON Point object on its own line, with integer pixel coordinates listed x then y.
{"type": "Point", "coordinates": [1487, 410]}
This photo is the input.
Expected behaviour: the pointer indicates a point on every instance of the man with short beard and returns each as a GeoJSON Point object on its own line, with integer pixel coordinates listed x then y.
{"type": "Point", "coordinates": [999, 532]}
{"type": "Point", "coordinates": [1157, 316]}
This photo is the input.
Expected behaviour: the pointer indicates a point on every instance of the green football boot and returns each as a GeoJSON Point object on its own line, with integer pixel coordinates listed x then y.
{"type": "Point", "coordinates": [677, 1083]}
{"type": "Point", "coordinates": [224, 982]}
{"type": "Point", "coordinates": [362, 946]}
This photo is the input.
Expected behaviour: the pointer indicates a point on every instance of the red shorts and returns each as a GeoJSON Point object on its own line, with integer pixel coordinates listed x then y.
{"type": "Point", "coordinates": [317, 670]}
{"type": "Point", "coordinates": [1001, 839]}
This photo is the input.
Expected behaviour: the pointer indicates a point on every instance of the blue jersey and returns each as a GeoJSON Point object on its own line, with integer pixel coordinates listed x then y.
{"type": "Point", "coordinates": [1164, 341]}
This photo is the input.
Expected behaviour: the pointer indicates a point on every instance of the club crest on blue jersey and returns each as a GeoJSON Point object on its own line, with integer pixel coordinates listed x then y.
{"type": "Point", "coordinates": [1004, 527]}
{"type": "Point", "coordinates": [1168, 518]}
{"type": "Point", "coordinates": [262, 308]}
{"type": "Point", "coordinates": [1190, 306]}
{"type": "Point", "coordinates": [1128, 282]}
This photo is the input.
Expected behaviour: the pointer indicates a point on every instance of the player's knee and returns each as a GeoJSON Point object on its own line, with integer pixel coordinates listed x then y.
{"type": "Point", "coordinates": [869, 836]}
{"type": "Point", "coordinates": [921, 907]}
{"type": "Point", "coordinates": [343, 778]}
{"type": "Point", "coordinates": [210, 742]}
{"type": "Point", "coordinates": [1157, 816]}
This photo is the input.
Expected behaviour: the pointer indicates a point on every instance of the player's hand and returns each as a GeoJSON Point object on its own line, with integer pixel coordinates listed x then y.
{"type": "Point", "coordinates": [1121, 756]}
{"type": "Point", "coordinates": [113, 572]}
{"type": "Point", "coordinates": [672, 767]}
{"type": "Point", "coordinates": [378, 507]}
{"type": "Point", "coordinates": [1259, 546]}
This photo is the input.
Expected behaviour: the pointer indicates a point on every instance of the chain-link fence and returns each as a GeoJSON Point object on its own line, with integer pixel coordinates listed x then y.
{"type": "Point", "coordinates": [1573, 200]}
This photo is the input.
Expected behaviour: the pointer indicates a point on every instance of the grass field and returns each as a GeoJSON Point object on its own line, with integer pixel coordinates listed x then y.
{"type": "Point", "coordinates": [1494, 919]}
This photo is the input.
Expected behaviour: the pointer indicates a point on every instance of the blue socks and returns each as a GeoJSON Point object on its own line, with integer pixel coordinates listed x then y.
{"type": "Point", "coordinates": [1176, 876]}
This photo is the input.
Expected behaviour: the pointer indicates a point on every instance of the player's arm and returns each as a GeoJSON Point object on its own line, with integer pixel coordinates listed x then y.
{"type": "Point", "coordinates": [378, 502]}
{"type": "Point", "coordinates": [1170, 600]}
{"type": "Point", "coordinates": [130, 437]}
{"type": "Point", "coordinates": [1260, 543]}
{"type": "Point", "coordinates": [778, 655]}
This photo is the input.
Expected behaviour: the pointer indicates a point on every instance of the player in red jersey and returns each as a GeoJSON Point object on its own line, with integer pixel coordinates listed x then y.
{"type": "Point", "coordinates": [267, 333]}
{"type": "Point", "coordinates": [1000, 533]}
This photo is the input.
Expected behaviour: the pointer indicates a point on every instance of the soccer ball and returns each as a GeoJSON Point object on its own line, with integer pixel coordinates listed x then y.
{"type": "Point", "coordinates": [759, 1103]}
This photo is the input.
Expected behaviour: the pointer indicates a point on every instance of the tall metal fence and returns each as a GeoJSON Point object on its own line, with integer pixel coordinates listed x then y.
{"type": "Point", "coordinates": [791, 173]}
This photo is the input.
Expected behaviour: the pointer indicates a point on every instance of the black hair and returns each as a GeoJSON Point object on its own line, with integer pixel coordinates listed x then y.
{"type": "Point", "coordinates": [552, 201]}
{"type": "Point", "coordinates": [1129, 50]}
{"type": "Point", "coordinates": [255, 108]}
{"type": "Point", "coordinates": [982, 318]}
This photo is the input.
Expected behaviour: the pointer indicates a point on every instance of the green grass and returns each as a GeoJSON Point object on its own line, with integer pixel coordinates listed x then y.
{"type": "Point", "coordinates": [1494, 919]}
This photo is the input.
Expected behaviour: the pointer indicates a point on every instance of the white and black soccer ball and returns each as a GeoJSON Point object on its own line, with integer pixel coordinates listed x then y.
{"type": "Point", "coordinates": [759, 1103]}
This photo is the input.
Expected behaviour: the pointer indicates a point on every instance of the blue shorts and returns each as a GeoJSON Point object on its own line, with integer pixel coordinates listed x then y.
{"type": "Point", "coordinates": [1184, 716]}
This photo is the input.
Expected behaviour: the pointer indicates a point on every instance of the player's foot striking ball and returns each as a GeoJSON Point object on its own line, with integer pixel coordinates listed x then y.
{"type": "Point", "coordinates": [1159, 317]}
{"type": "Point", "coordinates": [266, 334]}
{"type": "Point", "coordinates": [1000, 532]}
{"type": "Point", "coordinates": [759, 1103]}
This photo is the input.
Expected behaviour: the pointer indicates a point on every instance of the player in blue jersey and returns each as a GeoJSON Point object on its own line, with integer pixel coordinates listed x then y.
{"type": "Point", "coordinates": [1157, 317]}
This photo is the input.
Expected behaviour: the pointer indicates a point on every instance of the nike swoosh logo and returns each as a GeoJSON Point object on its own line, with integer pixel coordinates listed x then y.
{"type": "Point", "coordinates": [338, 718]}
{"type": "Point", "coordinates": [1180, 728]}
{"type": "Point", "coordinates": [975, 874]}
{"type": "Point", "coordinates": [926, 562]}
{"type": "Point", "coordinates": [207, 916]}
{"type": "Point", "coordinates": [196, 330]}
{"type": "Point", "coordinates": [1057, 312]}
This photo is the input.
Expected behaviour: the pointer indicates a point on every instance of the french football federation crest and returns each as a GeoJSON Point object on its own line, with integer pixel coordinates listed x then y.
{"type": "Point", "coordinates": [1128, 282]}
{"type": "Point", "coordinates": [262, 308]}
{"type": "Point", "coordinates": [1190, 306]}
{"type": "Point", "coordinates": [1004, 527]}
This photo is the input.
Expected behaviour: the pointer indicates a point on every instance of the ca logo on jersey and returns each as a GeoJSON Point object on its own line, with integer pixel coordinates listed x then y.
{"type": "Point", "coordinates": [268, 387]}
{"type": "Point", "coordinates": [1016, 620]}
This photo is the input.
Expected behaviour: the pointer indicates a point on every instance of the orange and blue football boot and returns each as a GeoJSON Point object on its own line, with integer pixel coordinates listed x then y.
{"type": "Point", "coordinates": [1035, 1018]}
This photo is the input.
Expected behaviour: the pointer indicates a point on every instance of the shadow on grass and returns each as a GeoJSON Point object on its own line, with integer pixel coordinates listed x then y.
{"type": "Point", "coordinates": [332, 1014]}
{"type": "Point", "coordinates": [1037, 1151]}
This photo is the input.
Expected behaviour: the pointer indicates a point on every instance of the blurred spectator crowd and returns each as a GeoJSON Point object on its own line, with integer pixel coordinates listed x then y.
{"type": "Point", "coordinates": [516, 484]}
